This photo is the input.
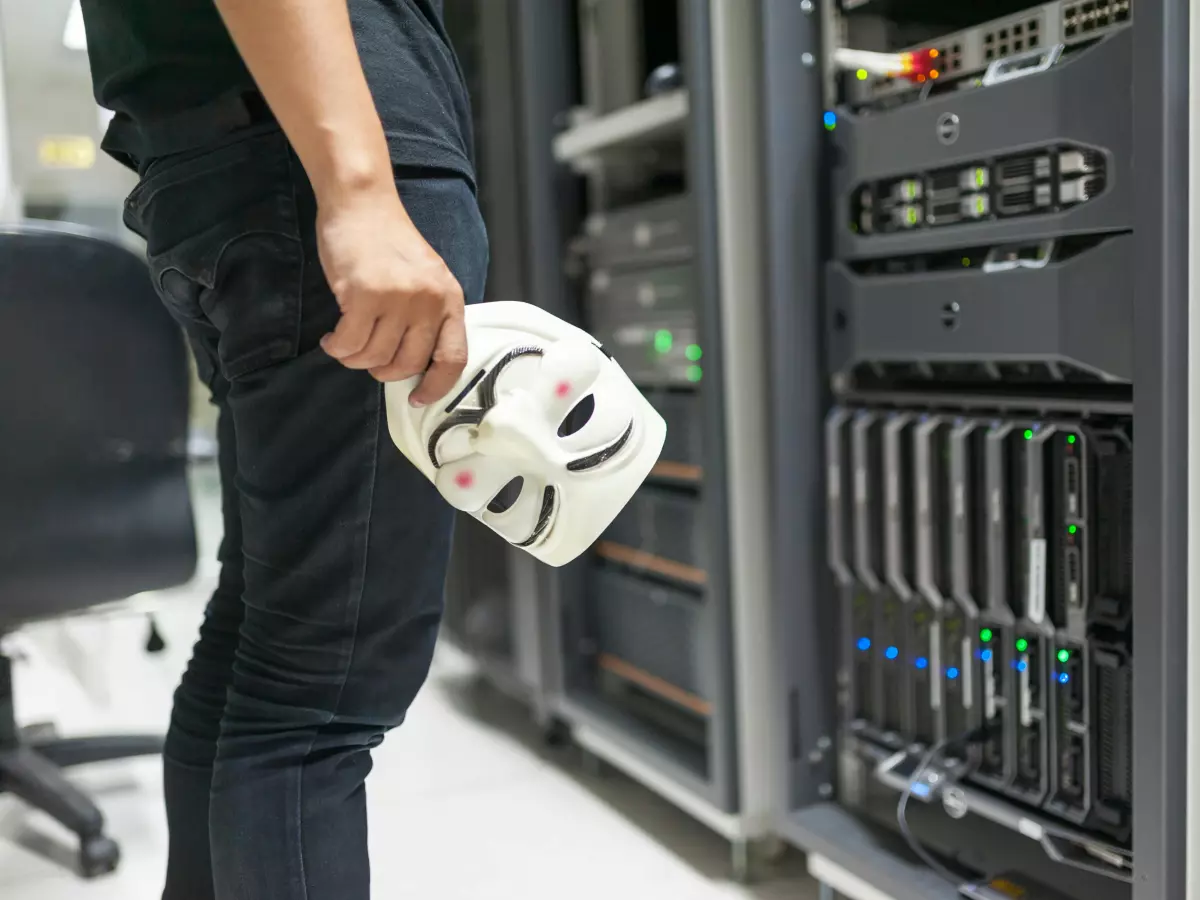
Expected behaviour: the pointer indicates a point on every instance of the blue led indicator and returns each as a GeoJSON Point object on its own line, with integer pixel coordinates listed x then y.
{"type": "Point", "coordinates": [1063, 677]}
{"type": "Point", "coordinates": [986, 655]}
{"type": "Point", "coordinates": [952, 673]}
{"type": "Point", "coordinates": [830, 119]}
{"type": "Point", "coordinates": [864, 644]}
{"type": "Point", "coordinates": [1022, 665]}
{"type": "Point", "coordinates": [920, 789]}
{"type": "Point", "coordinates": [922, 663]}
{"type": "Point", "coordinates": [891, 652]}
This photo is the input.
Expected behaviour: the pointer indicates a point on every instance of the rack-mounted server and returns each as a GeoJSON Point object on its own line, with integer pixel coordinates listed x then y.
{"type": "Point", "coordinates": [1030, 516]}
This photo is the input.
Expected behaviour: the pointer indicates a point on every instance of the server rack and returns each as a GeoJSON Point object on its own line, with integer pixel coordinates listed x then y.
{"type": "Point", "coordinates": [658, 666]}
{"type": "Point", "coordinates": [493, 596]}
{"type": "Point", "coordinates": [896, 335]}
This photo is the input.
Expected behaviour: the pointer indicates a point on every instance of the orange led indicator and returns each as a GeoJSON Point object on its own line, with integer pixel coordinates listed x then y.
{"type": "Point", "coordinates": [919, 65]}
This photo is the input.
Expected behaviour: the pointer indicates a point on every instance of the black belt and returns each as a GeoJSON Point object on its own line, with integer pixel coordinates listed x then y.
{"type": "Point", "coordinates": [134, 143]}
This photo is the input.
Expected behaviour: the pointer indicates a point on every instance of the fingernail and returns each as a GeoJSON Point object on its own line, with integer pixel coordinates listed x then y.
{"type": "Point", "coordinates": [415, 403]}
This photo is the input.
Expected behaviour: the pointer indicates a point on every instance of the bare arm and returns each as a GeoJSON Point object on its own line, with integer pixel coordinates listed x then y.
{"type": "Point", "coordinates": [402, 309]}
{"type": "Point", "coordinates": [302, 55]}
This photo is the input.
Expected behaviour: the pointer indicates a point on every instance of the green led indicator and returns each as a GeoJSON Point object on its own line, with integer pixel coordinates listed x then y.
{"type": "Point", "coordinates": [1064, 655]}
{"type": "Point", "coordinates": [985, 635]}
{"type": "Point", "coordinates": [1029, 434]}
{"type": "Point", "coordinates": [966, 262]}
{"type": "Point", "coordinates": [693, 352]}
{"type": "Point", "coordinates": [862, 74]}
{"type": "Point", "coordinates": [981, 206]}
{"type": "Point", "coordinates": [694, 373]}
{"type": "Point", "coordinates": [1071, 529]}
{"type": "Point", "coordinates": [980, 177]}
{"type": "Point", "coordinates": [912, 215]}
{"type": "Point", "coordinates": [1070, 438]}
{"type": "Point", "coordinates": [1022, 645]}
{"type": "Point", "coordinates": [663, 341]}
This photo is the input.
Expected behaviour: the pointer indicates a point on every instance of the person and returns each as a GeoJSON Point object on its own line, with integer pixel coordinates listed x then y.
{"type": "Point", "coordinates": [307, 199]}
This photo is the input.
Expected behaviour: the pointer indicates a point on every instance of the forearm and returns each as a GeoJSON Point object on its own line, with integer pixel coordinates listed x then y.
{"type": "Point", "coordinates": [303, 58]}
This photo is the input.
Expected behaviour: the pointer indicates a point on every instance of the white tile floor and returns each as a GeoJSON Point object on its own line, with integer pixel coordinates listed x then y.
{"type": "Point", "coordinates": [465, 805]}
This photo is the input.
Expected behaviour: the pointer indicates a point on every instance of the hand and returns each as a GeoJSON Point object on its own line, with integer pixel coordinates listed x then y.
{"type": "Point", "coordinates": [402, 309]}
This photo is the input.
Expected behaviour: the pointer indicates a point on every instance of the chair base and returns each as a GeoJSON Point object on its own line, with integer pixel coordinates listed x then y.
{"type": "Point", "coordinates": [33, 771]}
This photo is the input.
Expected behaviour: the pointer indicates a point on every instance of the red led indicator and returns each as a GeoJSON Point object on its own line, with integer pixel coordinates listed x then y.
{"type": "Point", "coordinates": [919, 65]}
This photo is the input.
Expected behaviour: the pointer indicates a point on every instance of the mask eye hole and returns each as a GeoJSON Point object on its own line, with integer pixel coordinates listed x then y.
{"type": "Point", "coordinates": [579, 416]}
{"type": "Point", "coordinates": [507, 496]}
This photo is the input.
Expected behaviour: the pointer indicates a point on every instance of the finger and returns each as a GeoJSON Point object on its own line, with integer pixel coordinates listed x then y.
{"type": "Point", "coordinates": [446, 365]}
{"type": "Point", "coordinates": [383, 346]}
{"type": "Point", "coordinates": [413, 356]}
{"type": "Point", "coordinates": [351, 335]}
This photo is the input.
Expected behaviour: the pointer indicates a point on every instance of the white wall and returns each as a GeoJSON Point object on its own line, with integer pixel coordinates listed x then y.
{"type": "Point", "coordinates": [8, 200]}
{"type": "Point", "coordinates": [49, 94]}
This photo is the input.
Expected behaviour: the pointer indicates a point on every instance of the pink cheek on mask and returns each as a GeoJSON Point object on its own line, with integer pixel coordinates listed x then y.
{"type": "Point", "coordinates": [562, 388]}
{"type": "Point", "coordinates": [464, 479]}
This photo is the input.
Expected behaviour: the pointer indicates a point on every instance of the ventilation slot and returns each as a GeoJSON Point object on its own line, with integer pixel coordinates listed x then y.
{"type": "Point", "coordinates": [1114, 714]}
{"type": "Point", "coordinates": [1113, 506]}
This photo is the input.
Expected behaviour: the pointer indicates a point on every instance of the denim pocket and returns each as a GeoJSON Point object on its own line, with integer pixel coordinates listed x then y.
{"type": "Point", "coordinates": [223, 244]}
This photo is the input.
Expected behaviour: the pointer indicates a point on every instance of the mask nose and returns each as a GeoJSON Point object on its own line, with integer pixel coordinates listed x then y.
{"type": "Point", "coordinates": [515, 429]}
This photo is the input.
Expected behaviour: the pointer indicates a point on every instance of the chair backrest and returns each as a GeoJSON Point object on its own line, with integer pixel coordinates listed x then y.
{"type": "Point", "coordinates": [94, 389]}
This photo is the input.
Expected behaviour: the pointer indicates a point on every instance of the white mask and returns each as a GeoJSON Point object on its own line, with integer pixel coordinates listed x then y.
{"type": "Point", "coordinates": [507, 419]}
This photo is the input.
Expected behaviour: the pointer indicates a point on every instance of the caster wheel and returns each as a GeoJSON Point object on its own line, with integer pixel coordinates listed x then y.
{"type": "Point", "coordinates": [98, 856]}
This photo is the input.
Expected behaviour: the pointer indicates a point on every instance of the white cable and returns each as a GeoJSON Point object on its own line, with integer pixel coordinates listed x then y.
{"type": "Point", "coordinates": [874, 63]}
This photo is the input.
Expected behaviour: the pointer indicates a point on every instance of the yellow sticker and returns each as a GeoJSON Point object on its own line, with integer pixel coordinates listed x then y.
{"type": "Point", "coordinates": [67, 152]}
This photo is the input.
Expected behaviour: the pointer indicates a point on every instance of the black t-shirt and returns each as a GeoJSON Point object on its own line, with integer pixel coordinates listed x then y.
{"type": "Point", "coordinates": [153, 59]}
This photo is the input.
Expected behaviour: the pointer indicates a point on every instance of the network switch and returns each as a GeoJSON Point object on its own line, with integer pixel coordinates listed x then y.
{"type": "Point", "coordinates": [967, 54]}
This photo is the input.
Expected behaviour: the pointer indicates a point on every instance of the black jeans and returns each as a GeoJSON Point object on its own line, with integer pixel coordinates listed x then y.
{"type": "Point", "coordinates": [322, 627]}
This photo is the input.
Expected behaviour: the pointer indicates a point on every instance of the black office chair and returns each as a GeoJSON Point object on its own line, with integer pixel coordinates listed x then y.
{"type": "Point", "coordinates": [94, 501]}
